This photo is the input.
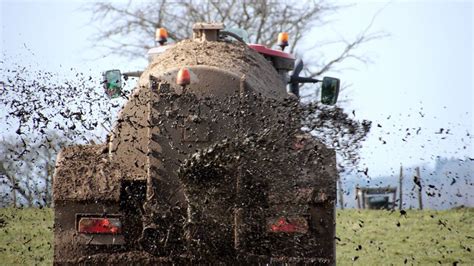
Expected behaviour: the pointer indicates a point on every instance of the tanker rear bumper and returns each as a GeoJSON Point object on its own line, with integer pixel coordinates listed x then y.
{"type": "Point", "coordinates": [144, 258]}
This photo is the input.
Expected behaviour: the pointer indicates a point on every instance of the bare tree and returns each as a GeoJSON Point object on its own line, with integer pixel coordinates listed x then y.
{"type": "Point", "coordinates": [16, 181]}
{"type": "Point", "coordinates": [127, 29]}
{"type": "Point", "coordinates": [26, 179]}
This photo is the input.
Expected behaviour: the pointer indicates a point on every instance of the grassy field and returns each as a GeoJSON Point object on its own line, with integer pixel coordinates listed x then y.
{"type": "Point", "coordinates": [364, 237]}
{"type": "Point", "coordinates": [419, 237]}
{"type": "Point", "coordinates": [26, 236]}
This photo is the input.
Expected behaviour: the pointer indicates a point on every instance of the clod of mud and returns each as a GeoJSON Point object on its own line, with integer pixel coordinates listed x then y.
{"type": "Point", "coordinates": [3, 223]}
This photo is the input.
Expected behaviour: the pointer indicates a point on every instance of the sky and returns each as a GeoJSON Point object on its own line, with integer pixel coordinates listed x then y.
{"type": "Point", "coordinates": [420, 76]}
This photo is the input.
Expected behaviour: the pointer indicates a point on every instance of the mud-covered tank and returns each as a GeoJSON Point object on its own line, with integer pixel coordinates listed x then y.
{"type": "Point", "coordinates": [214, 170]}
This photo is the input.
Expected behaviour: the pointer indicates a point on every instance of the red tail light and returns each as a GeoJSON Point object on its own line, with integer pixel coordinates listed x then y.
{"type": "Point", "coordinates": [289, 225]}
{"type": "Point", "coordinates": [95, 225]}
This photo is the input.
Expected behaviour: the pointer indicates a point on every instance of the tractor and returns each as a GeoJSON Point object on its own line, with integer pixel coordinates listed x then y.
{"type": "Point", "coordinates": [207, 163]}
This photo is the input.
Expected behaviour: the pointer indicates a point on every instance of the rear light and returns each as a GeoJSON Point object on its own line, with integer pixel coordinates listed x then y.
{"type": "Point", "coordinates": [288, 225]}
{"type": "Point", "coordinates": [99, 225]}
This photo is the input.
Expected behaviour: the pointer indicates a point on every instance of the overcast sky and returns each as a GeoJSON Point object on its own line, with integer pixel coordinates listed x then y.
{"type": "Point", "coordinates": [420, 77]}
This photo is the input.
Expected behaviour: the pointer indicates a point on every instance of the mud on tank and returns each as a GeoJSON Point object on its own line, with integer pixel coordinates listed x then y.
{"type": "Point", "coordinates": [213, 169]}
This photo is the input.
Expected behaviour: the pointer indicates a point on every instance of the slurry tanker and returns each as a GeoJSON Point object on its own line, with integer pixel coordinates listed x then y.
{"type": "Point", "coordinates": [207, 163]}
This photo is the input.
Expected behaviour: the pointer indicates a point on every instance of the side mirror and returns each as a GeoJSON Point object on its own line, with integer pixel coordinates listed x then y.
{"type": "Point", "coordinates": [113, 83]}
{"type": "Point", "coordinates": [330, 90]}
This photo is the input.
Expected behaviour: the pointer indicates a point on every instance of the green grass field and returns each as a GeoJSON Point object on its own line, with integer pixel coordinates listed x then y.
{"type": "Point", "coordinates": [365, 237]}
{"type": "Point", "coordinates": [420, 237]}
